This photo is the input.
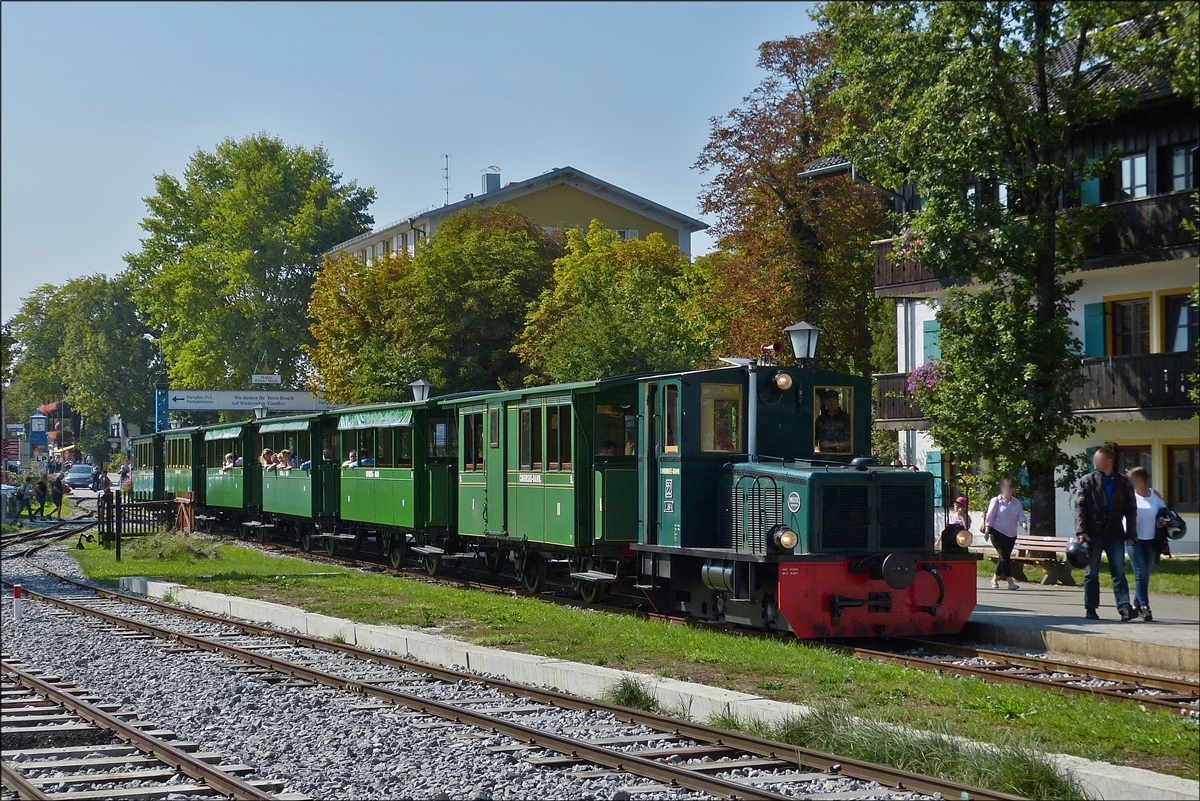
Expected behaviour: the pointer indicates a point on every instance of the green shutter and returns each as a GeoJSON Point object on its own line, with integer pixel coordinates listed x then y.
{"type": "Point", "coordinates": [932, 330]}
{"type": "Point", "coordinates": [1089, 190]}
{"type": "Point", "coordinates": [1093, 331]}
{"type": "Point", "coordinates": [933, 463]}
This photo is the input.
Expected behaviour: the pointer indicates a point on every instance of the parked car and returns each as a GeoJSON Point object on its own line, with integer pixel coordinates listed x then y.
{"type": "Point", "coordinates": [79, 476]}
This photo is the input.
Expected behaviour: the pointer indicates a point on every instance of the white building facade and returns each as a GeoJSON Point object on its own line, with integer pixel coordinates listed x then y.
{"type": "Point", "coordinates": [1133, 313]}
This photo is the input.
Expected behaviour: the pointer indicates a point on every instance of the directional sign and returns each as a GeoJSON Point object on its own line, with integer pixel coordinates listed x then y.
{"type": "Point", "coordinates": [238, 400]}
{"type": "Point", "coordinates": [274, 378]}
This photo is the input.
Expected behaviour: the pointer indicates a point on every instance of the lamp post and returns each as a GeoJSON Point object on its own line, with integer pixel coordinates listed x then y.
{"type": "Point", "coordinates": [420, 389]}
{"type": "Point", "coordinates": [804, 342]}
{"type": "Point", "coordinates": [260, 412]}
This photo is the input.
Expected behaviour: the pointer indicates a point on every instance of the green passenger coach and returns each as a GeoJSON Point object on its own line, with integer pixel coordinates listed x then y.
{"type": "Point", "coordinates": [231, 473]}
{"type": "Point", "coordinates": [183, 463]}
{"type": "Point", "coordinates": [147, 475]}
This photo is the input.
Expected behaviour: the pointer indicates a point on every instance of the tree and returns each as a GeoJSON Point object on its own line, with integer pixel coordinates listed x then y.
{"type": "Point", "coordinates": [355, 310]}
{"type": "Point", "coordinates": [795, 249]}
{"type": "Point", "coordinates": [977, 104]}
{"type": "Point", "coordinates": [614, 307]}
{"type": "Point", "coordinates": [83, 342]}
{"type": "Point", "coordinates": [451, 315]}
{"type": "Point", "coordinates": [225, 274]}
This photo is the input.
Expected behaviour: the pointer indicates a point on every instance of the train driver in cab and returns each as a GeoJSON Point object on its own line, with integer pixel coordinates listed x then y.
{"type": "Point", "coordinates": [833, 426]}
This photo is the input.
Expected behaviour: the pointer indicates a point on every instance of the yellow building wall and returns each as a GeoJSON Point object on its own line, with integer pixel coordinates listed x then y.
{"type": "Point", "coordinates": [567, 207]}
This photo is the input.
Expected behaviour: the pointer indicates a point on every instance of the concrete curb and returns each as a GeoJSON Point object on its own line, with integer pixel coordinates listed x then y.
{"type": "Point", "coordinates": [1100, 780]}
{"type": "Point", "coordinates": [1174, 658]}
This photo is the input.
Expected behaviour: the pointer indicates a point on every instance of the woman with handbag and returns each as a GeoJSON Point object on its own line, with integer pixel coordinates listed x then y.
{"type": "Point", "coordinates": [1004, 514]}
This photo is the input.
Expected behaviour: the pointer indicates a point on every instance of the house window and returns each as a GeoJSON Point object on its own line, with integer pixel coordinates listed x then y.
{"type": "Point", "coordinates": [1131, 327]}
{"type": "Point", "coordinates": [1183, 477]}
{"type": "Point", "coordinates": [1182, 176]}
{"type": "Point", "coordinates": [624, 234]}
{"type": "Point", "coordinates": [1182, 321]}
{"type": "Point", "coordinates": [385, 247]}
{"type": "Point", "coordinates": [1133, 176]}
{"type": "Point", "coordinates": [1131, 456]}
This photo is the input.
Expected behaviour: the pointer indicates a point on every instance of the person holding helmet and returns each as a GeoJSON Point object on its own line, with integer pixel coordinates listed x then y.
{"type": "Point", "coordinates": [1105, 508]}
{"type": "Point", "coordinates": [1142, 545]}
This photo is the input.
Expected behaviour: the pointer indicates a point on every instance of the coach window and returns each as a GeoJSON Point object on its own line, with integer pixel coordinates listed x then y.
{"type": "Point", "coordinates": [833, 429]}
{"type": "Point", "coordinates": [671, 420]}
{"type": "Point", "coordinates": [383, 447]}
{"type": "Point", "coordinates": [442, 444]}
{"type": "Point", "coordinates": [403, 447]}
{"type": "Point", "coordinates": [493, 428]}
{"type": "Point", "coordinates": [472, 440]}
{"type": "Point", "coordinates": [531, 438]}
{"type": "Point", "coordinates": [558, 438]}
{"type": "Point", "coordinates": [721, 418]}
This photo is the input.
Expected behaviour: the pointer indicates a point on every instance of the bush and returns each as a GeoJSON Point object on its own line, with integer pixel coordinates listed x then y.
{"type": "Point", "coordinates": [168, 546]}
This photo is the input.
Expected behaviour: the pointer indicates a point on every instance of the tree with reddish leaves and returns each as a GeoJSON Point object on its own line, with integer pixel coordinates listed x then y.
{"type": "Point", "coordinates": [792, 248]}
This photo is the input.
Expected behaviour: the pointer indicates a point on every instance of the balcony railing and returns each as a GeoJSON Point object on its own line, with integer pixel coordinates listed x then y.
{"type": "Point", "coordinates": [1146, 229]}
{"type": "Point", "coordinates": [1151, 387]}
{"type": "Point", "coordinates": [1156, 383]}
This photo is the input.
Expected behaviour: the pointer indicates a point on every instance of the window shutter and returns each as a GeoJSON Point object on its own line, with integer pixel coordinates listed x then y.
{"type": "Point", "coordinates": [933, 463]}
{"type": "Point", "coordinates": [1094, 345]}
{"type": "Point", "coordinates": [932, 331]}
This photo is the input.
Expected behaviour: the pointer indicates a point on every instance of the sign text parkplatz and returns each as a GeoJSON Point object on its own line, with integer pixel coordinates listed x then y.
{"type": "Point", "coordinates": [234, 400]}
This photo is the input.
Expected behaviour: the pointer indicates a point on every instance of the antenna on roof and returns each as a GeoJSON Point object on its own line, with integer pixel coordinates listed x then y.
{"type": "Point", "coordinates": [446, 178]}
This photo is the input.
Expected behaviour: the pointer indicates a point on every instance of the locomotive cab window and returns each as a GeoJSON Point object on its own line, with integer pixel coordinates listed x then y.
{"type": "Point", "coordinates": [671, 420]}
{"type": "Point", "coordinates": [616, 430]}
{"type": "Point", "coordinates": [721, 418]}
{"type": "Point", "coordinates": [833, 426]}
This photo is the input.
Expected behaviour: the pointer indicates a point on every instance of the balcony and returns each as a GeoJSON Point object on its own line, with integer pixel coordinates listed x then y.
{"type": "Point", "coordinates": [1153, 387]}
{"type": "Point", "coordinates": [1143, 230]}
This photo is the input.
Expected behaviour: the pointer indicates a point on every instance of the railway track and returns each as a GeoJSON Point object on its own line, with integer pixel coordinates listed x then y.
{"type": "Point", "coordinates": [62, 742]}
{"type": "Point", "coordinates": [58, 530]}
{"type": "Point", "coordinates": [677, 754]}
{"type": "Point", "coordinates": [1158, 692]}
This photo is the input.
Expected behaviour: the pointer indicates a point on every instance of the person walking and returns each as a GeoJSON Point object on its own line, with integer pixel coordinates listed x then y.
{"type": "Point", "coordinates": [1004, 514]}
{"type": "Point", "coordinates": [1105, 508]}
{"type": "Point", "coordinates": [1142, 546]}
{"type": "Point", "coordinates": [39, 496]}
{"type": "Point", "coordinates": [25, 498]}
{"type": "Point", "coordinates": [57, 490]}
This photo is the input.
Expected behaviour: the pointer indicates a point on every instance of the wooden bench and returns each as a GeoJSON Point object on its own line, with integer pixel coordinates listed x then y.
{"type": "Point", "coordinates": [1048, 553]}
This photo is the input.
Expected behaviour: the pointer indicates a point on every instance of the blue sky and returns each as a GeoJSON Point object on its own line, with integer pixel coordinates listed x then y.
{"type": "Point", "coordinates": [97, 99]}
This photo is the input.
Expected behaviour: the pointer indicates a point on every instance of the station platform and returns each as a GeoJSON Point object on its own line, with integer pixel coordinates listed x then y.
{"type": "Point", "coordinates": [1051, 618]}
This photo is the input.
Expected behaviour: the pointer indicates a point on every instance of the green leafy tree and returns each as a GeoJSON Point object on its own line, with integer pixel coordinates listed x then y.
{"type": "Point", "coordinates": [356, 311]}
{"type": "Point", "coordinates": [450, 315]}
{"type": "Point", "coordinates": [614, 307]}
{"type": "Point", "coordinates": [961, 99]}
{"type": "Point", "coordinates": [226, 270]}
{"type": "Point", "coordinates": [84, 342]}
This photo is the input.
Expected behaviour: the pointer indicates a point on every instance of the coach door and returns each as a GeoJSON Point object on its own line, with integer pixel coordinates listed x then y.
{"type": "Point", "coordinates": [648, 462]}
{"type": "Point", "coordinates": [496, 498]}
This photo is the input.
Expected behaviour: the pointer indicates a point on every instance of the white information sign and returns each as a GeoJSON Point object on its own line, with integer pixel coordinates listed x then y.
{"type": "Point", "coordinates": [274, 378]}
{"type": "Point", "coordinates": [235, 400]}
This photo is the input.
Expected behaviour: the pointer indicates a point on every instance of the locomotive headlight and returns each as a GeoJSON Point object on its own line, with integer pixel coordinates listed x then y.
{"type": "Point", "coordinates": [786, 539]}
{"type": "Point", "coordinates": [783, 381]}
{"type": "Point", "coordinates": [963, 538]}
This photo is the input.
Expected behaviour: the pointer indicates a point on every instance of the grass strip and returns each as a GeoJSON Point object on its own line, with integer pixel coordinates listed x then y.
{"type": "Point", "coordinates": [784, 670]}
{"type": "Point", "coordinates": [1179, 575]}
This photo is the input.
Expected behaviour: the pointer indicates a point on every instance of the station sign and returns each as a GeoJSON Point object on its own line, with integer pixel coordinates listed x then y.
{"type": "Point", "coordinates": [239, 400]}
{"type": "Point", "coordinates": [274, 378]}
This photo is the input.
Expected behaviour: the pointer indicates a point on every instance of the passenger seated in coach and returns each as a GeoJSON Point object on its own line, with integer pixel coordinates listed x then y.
{"type": "Point", "coordinates": [237, 462]}
{"type": "Point", "coordinates": [286, 460]}
{"type": "Point", "coordinates": [352, 461]}
{"type": "Point", "coordinates": [228, 464]}
{"type": "Point", "coordinates": [365, 460]}
{"type": "Point", "coordinates": [609, 448]}
{"type": "Point", "coordinates": [267, 459]}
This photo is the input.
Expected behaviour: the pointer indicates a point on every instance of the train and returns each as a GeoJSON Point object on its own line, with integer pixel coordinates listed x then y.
{"type": "Point", "coordinates": [742, 494]}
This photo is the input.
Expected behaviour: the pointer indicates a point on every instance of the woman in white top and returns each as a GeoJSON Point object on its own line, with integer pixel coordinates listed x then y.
{"type": "Point", "coordinates": [1140, 545]}
{"type": "Point", "coordinates": [1004, 514]}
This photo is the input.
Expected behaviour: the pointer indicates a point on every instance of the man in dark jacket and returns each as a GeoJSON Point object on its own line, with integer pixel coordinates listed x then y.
{"type": "Point", "coordinates": [1105, 509]}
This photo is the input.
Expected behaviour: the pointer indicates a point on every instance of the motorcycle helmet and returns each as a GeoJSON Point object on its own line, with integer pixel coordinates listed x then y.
{"type": "Point", "coordinates": [1175, 526]}
{"type": "Point", "coordinates": [1079, 554]}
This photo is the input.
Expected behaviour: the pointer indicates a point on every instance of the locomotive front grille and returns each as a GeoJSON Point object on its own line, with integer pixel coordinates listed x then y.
{"type": "Point", "coordinates": [755, 506]}
{"type": "Point", "coordinates": [902, 517]}
{"type": "Point", "coordinates": [845, 517]}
